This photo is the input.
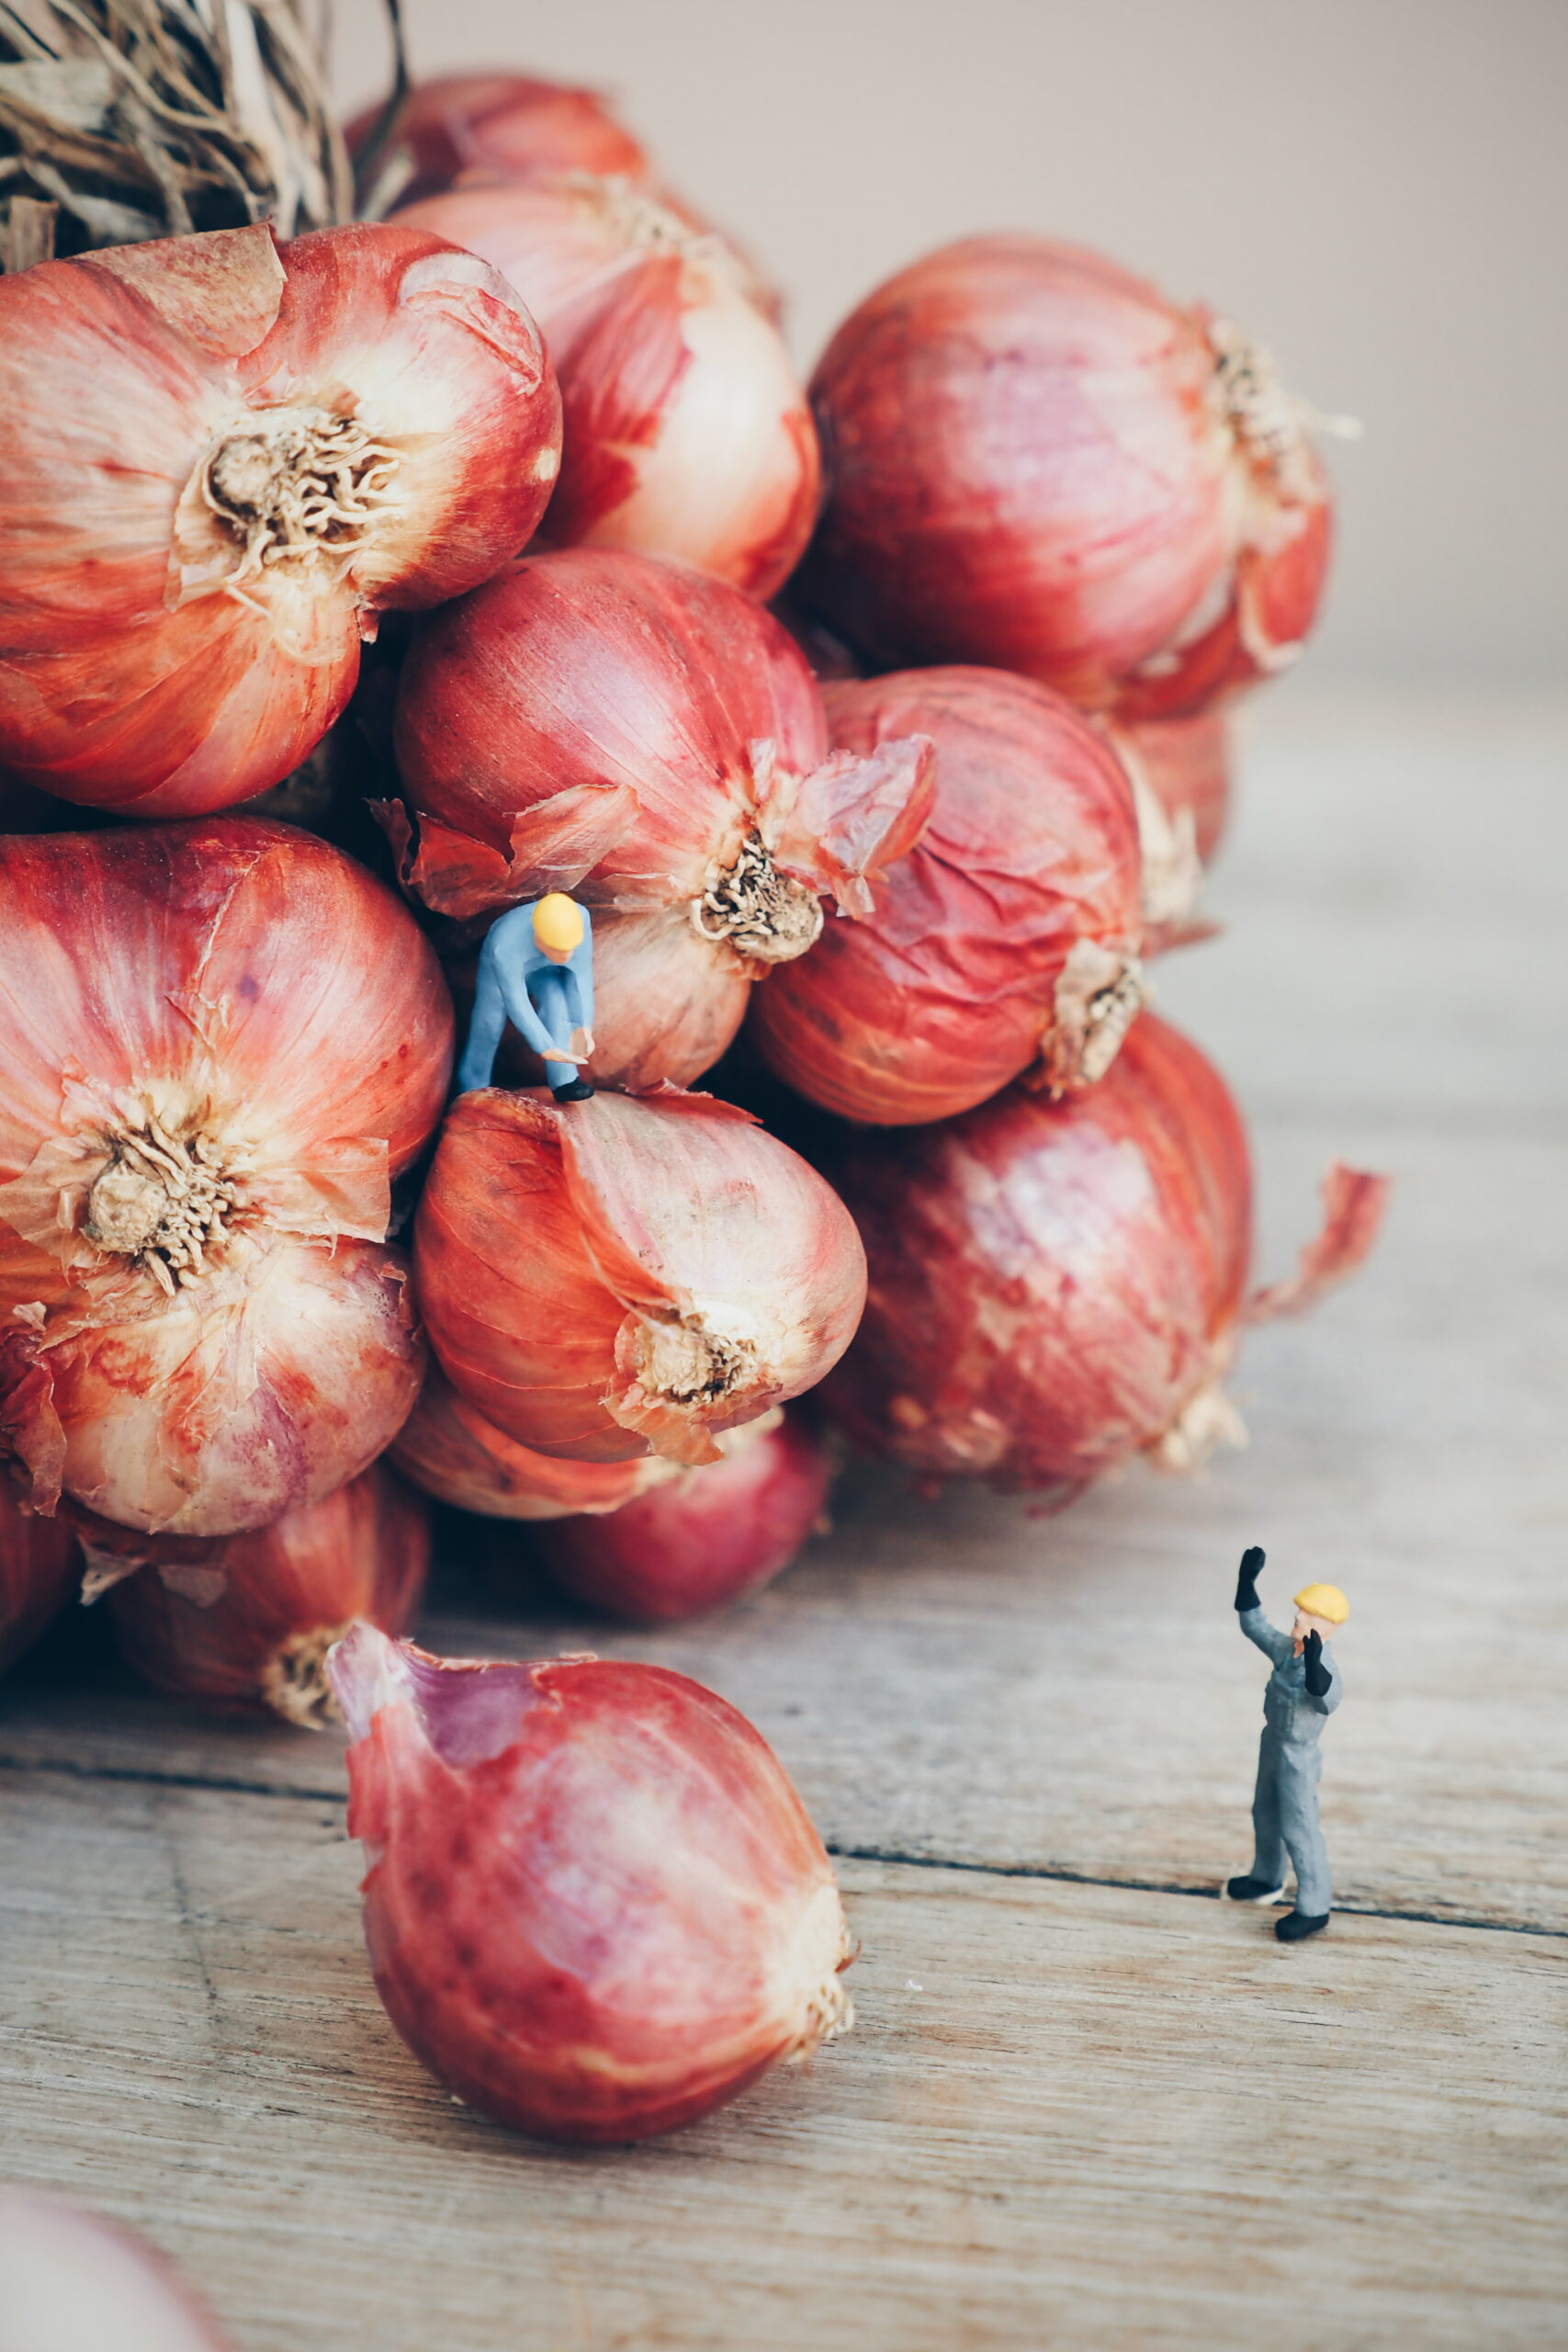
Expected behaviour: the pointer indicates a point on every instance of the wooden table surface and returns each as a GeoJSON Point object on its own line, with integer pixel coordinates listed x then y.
{"type": "Point", "coordinates": [1084, 2104]}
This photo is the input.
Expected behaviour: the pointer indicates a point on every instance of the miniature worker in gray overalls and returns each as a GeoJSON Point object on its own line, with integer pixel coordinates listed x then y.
{"type": "Point", "coordinates": [1304, 1688]}
{"type": "Point", "coordinates": [536, 971]}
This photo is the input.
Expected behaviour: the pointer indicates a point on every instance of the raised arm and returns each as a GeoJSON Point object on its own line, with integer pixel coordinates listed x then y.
{"type": "Point", "coordinates": [1254, 1624]}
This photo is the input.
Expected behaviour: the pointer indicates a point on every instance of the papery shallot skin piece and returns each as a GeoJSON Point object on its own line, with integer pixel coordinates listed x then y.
{"type": "Point", "coordinates": [630, 730]}
{"type": "Point", "coordinates": [1005, 942]}
{"type": "Point", "coordinates": [686, 430]}
{"type": "Point", "coordinates": [1037, 462]}
{"type": "Point", "coordinates": [1056, 1287]}
{"type": "Point", "coordinates": [450, 1451]}
{"type": "Point", "coordinates": [704, 1538]}
{"type": "Point", "coordinates": [71, 2282]}
{"type": "Point", "coordinates": [595, 1907]}
{"type": "Point", "coordinates": [224, 457]}
{"type": "Point", "coordinates": [39, 1569]}
{"type": "Point", "coordinates": [243, 1623]}
{"type": "Point", "coordinates": [224, 1039]}
{"type": "Point", "coordinates": [619, 1277]}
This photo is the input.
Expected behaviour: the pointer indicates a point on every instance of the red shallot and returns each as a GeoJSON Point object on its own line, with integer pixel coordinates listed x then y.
{"type": "Point", "coordinates": [1186, 764]}
{"type": "Point", "coordinates": [506, 126]}
{"type": "Point", "coordinates": [620, 1277]}
{"type": "Point", "coordinates": [1005, 942]}
{"type": "Point", "coordinates": [453, 1452]}
{"type": "Point", "coordinates": [623, 727]}
{"type": "Point", "coordinates": [39, 1568]}
{"type": "Point", "coordinates": [245, 1622]}
{"type": "Point", "coordinates": [687, 431]}
{"type": "Point", "coordinates": [224, 1038]}
{"type": "Point", "coordinates": [224, 459]}
{"type": "Point", "coordinates": [1037, 461]}
{"type": "Point", "coordinates": [703, 1539]}
{"type": "Point", "coordinates": [1057, 1286]}
{"type": "Point", "coordinates": [596, 1906]}
{"type": "Point", "coordinates": [71, 2282]}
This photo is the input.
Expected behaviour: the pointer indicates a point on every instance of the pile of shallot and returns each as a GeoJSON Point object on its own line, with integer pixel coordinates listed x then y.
{"type": "Point", "coordinates": [471, 516]}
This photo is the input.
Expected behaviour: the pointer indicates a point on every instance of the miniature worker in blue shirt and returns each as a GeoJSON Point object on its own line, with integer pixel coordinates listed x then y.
{"type": "Point", "coordinates": [1302, 1691]}
{"type": "Point", "coordinates": [536, 971]}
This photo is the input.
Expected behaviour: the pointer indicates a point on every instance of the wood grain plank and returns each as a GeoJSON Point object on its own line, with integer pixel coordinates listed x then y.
{"type": "Point", "coordinates": [1067, 2115]}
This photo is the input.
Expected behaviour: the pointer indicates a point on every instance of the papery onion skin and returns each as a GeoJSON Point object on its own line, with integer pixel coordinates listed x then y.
{"type": "Point", "coordinates": [159, 653]}
{"type": "Point", "coordinates": [623, 727]}
{"type": "Point", "coordinates": [613, 1278]}
{"type": "Point", "coordinates": [231, 1339]}
{"type": "Point", "coordinates": [70, 2280]}
{"type": "Point", "coordinates": [686, 430]}
{"type": "Point", "coordinates": [243, 1623]}
{"type": "Point", "coordinates": [706, 1539]}
{"type": "Point", "coordinates": [1038, 463]}
{"type": "Point", "coordinates": [1052, 1285]}
{"type": "Point", "coordinates": [453, 1452]}
{"type": "Point", "coordinates": [1006, 940]}
{"type": "Point", "coordinates": [596, 1909]}
{"type": "Point", "coordinates": [39, 1567]}
{"type": "Point", "coordinates": [512, 126]}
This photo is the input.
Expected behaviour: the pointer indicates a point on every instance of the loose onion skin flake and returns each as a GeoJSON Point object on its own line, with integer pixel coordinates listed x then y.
{"type": "Point", "coordinates": [1005, 942]}
{"type": "Point", "coordinates": [224, 457]}
{"type": "Point", "coordinates": [686, 430]}
{"type": "Point", "coordinates": [1037, 462]}
{"type": "Point", "coordinates": [71, 2282]}
{"type": "Point", "coordinates": [650, 740]}
{"type": "Point", "coordinates": [39, 1569]}
{"type": "Point", "coordinates": [1056, 1287]}
{"type": "Point", "coordinates": [243, 1622]}
{"type": "Point", "coordinates": [619, 1277]}
{"type": "Point", "coordinates": [703, 1539]}
{"type": "Point", "coordinates": [453, 1452]}
{"type": "Point", "coordinates": [226, 1038]}
{"type": "Point", "coordinates": [595, 1907]}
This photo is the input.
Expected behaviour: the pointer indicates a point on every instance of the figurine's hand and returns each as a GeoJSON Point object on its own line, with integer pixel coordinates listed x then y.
{"type": "Point", "coordinates": [585, 1052]}
{"type": "Point", "coordinates": [1316, 1674]}
{"type": "Point", "coordinates": [554, 1054]}
{"type": "Point", "coordinates": [1247, 1576]}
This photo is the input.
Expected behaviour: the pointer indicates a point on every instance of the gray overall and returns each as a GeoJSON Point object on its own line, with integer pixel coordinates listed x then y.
{"type": "Point", "coordinates": [1284, 1808]}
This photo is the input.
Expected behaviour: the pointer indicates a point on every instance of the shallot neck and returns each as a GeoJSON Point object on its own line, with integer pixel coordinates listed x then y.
{"type": "Point", "coordinates": [294, 1682]}
{"type": "Point", "coordinates": [684, 1362]}
{"type": "Point", "coordinates": [168, 1200]}
{"type": "Point", "coordinates": [1268, 422]}
{"type": "Point", "coordinates": [297, 486]}
{"type": "Point", "coordinates": [758, 909]}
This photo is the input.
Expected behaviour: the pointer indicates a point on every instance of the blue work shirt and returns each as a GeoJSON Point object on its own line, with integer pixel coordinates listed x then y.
{"type": "Point", "coordinates": [512, 954]}
{"type": "Point", "coordinates": [1289, 1710]}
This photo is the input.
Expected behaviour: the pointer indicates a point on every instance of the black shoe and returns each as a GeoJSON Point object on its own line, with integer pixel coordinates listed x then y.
{"type": "Point", "coordinates": [1250, 1890]}
{"type": "Point", "coordinates": [578, 1092]}
{"type": "Point", "coordinates": [1296, 1925]}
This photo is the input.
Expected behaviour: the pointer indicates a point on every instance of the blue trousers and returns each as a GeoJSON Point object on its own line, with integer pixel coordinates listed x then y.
{"type": "Point", "coordinates": [551, 998]}
{"type": "Point", "coordinates": [1284, 1821]}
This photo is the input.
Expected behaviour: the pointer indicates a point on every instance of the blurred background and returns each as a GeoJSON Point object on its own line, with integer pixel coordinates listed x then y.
{"type": "Point", "coordinates": [1376, 188]}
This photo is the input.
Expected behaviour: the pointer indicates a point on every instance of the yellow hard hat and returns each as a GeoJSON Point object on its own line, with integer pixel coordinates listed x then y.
{"type": "Point", "coordinates": [1325, 1600]}
{"type": "Point", "coordinates": [558, 921]}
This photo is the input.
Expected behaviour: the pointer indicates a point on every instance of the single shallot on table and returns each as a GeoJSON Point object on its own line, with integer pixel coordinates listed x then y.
{"type": "Point", "coordinates": [596, 1906]}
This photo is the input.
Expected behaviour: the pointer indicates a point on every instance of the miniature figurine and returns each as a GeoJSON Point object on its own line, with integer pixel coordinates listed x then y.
{"type": "Point", "coordinates": [1305, 1687]}
{"type": "Point", "coordinates": [536, 971]}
